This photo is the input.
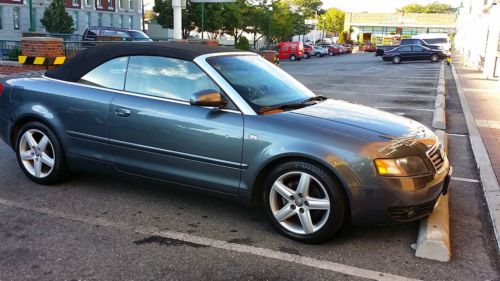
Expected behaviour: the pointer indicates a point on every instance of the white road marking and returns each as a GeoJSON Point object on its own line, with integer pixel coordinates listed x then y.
{"type": "Point", "coordinates": [482, 90]}
{"type": "Point", "coordinates": [219, 244]}
{"type": "Point", "coordinates": [464, 179]}
{"type": "Point", "coordinates": [371, 94]}
{"type": "Point", "coordinates": [494, 124]}
{"type": "Point", "coordinates": [457, 135]}
{"type": "Point", "coordinates": [405, 108]}
{"type": "Point", "coordinates": [384, 86]}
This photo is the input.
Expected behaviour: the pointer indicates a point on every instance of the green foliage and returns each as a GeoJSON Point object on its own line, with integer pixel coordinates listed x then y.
{"type": "Point", "coordinates": [332, 20]}
{"type": "Point", "coordinates": [282, 23]}
{"type": "Point", "coordinates": [243, 44]}
{"type": "Point", "coordinates": [344, 37]}
{"type": "Point", "coordinates": [433, 8]}
{"type": "Point", "coordinates": [56, 19]}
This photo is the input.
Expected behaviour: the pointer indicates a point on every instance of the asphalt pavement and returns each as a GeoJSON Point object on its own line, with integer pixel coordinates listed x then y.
{"type": "Point", "coordinates": [96, 227]}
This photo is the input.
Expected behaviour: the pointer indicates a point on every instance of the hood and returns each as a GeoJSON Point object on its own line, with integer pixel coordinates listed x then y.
{"type": "Point", "coordinates": [383, 123]}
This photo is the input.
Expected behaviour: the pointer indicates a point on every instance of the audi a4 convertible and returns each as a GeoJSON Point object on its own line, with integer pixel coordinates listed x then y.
{"type": "Point", "coordinates": [229, 122]}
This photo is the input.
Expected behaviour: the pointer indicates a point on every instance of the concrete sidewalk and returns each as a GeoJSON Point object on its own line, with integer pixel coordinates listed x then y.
{"type": "Point", "coordinates": [483, 97]}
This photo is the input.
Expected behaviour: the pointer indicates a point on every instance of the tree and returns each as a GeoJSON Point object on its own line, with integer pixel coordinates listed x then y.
{"type": "Point", "coordinates": [433, 8]}
{"type": "Point", "coordinates": [56, 19]}
{"type": "Point", "coordinates": [334, 20]}
{"type": "Point", "coordinates": [149, 15]}
{"type": "Point", "coordinates": [243, 44]}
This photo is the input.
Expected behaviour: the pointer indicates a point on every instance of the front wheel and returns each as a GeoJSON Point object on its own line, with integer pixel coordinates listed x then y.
{"type": "Point", "coordinates": [396, 59]}
{"type": "Point", "coordinates": [306, 56]}
{"type": "Point", "coordinates": [434, 58]}
{"type": "Point", "coordinates": [330, 53]}
{"type": "Point", "coordinates": [304, 202]}
{"type": "Point", "coordinates": [293, 58]}
{"type": "Point", "coordinates": [318, 55]}
{"type": "Point", "coordinates": [40, 154]}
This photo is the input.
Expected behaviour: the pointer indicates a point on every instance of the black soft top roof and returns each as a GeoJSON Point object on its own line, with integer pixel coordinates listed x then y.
{"type": "Point", "coordinates": [88, 59]}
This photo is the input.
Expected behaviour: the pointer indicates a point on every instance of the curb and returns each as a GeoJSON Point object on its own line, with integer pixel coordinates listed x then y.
{"type": "Point", "coordinates": [433, 241]}
{"type": "Point", "coordinates": [489, 182]}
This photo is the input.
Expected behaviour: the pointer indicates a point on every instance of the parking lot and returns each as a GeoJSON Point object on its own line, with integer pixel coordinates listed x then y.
{"type": "Point", "coordinates": [101, 228]}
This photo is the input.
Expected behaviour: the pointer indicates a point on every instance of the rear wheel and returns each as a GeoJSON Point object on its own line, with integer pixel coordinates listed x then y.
{"type": "Point", "coordinates": [396, 59]}
{"type": "Point", "coordinates": [318, 54]}
{"type": "Point", "coordinates": [306, 56]}
{"type": "Point", "coordinates": [304, 202]}
{"type": "Point", "coordinates": [330, 53]}
{"type": "Point", "coordinates": [293, 58]}
{"type": "Point", "coordinates": [434, 58]}
{"type": "Point", "coordinates": [40, 154]}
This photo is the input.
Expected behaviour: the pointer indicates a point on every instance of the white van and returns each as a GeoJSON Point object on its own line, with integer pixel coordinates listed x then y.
{"type": "Point", "coordinates": [440, 39]}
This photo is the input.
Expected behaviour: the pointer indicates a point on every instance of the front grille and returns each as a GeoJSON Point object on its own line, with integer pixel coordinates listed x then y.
{"type": "Point", "coordinates": [410, 213]}
{"type": "Point", "coordinates": [436, 156]}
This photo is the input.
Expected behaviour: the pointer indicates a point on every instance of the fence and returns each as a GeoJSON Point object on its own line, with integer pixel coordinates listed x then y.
{"type": "Point", "coordinates": [9, 50]}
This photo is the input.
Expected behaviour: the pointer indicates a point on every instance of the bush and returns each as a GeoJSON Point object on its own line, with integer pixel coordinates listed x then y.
{"type": "Point", "coordinates": [243, 44]}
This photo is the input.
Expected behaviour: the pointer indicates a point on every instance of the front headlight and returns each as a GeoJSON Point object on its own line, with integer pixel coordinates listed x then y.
{"type": "Point", "coordinates": [401, 167]}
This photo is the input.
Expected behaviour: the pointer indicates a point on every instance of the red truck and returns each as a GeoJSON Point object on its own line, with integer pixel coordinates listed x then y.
{"type": "Point", "coordinates": [290, 50]}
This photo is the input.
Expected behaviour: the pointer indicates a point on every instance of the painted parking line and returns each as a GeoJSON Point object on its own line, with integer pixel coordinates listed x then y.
{"type": "Point", "coordinates": [464, 179]}
{"type": "Point", "coordinates": [219, 244]}
{"type": "Point", "coordinates": [385, 86]}
{"type": "Point", "coordinates": [372, 94]}
{"type": "Point", "coordinates": [457, 135]}
{"type": "Point", "coordinates": [404, 108]}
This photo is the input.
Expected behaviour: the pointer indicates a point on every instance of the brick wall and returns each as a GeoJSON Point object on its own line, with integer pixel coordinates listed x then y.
{"type": "Point", "coordinates": [33, 47]}
{"type": "Point", "coordinates": [42, 47]}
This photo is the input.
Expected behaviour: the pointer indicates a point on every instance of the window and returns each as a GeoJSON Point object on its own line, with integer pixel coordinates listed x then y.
{"type": "Point", "coordinates": [404, 49]}
{"type": "Point", "coordinates": [110, 74]}
{"type": "Point", "coordinates": [120, 21]}
{"type": "Point", "coordinates": [123, 35]}
{"type": "Point", "coordinates": [74, 16]}
{"type": "Point", "coordinates": [16, 18]}
{"type": "Point", "coordinates": [130, 22]}
{"type": "Point", "coordinates": [88, 3]}
{"type": "Point", "coordinates": [105, 32]}
{"type": "Point", "coordinates": [111, 4]}
{"type": "Point", "coordinates": [417, 49]}
{"type": "Point", "coordinates": [121, 3]}
{"type": "Point", "coordinates": [99, 19]}
{"type": "Point", "coordinates": [130, 4]}
{"type": "Point", "coordinates": [75, 3]}
{"type": "Point", "coordinates": [87, 20]}
{"type": "Point", "coordinates": [166, 78]}
{"type": "Point", "coordinates": [111, 23]}
{"type": "Point", "coordinates": [1, 17]}
{"type": "Point", "coordinates": [33, 10]}
{"type": "Point", "coordinates": [99, 3]}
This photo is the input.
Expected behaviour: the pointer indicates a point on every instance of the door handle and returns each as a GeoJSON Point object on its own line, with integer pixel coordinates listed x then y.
{"type": "Point", "coordinates": [122, 112]}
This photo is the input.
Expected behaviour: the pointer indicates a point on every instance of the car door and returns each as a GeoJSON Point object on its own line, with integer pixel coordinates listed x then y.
{"type": "Point", "coordinates": [406, 53]}
{"type": "Point", "coordinates": [155, 132]}
{"type": "Point", "coordinates": [420, 53]}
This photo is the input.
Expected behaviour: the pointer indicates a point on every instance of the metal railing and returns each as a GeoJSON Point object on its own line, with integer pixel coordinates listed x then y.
{"type": "Point", "coordinates": [9, 49]}
{"type": "Point", "coordinates": [71, 48]}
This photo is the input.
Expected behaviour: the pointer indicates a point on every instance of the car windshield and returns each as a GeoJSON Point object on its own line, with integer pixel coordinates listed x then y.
{"type": "Point", "coordinates": [259, 82]}
{"type": "Point", "coordinates": [139, 35]}
{"type": "Point", "coordinates": [436, 41]}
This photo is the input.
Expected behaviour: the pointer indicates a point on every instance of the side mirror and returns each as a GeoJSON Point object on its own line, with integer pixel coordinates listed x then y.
{"type": "Point", "coordinates": [208, 98]}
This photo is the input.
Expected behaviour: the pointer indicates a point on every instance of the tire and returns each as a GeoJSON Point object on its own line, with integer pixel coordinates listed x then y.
{"type": "Point", "coordinates": [307, 56]}
{"type": "Point", "coordinates": [326, 191]}
{"type": "Point", "coordinates": [396, 60]}
{"type": "Point", "coordinates": [318, 55]}
{"type": "Point", "coordinates": [293, 58]}
{"type": "Point", "coordinates": [330, 54]}
{"type": "Point", "coordinates": [434, 58]}
{"type": "Point", "coordinates": [40, 155]}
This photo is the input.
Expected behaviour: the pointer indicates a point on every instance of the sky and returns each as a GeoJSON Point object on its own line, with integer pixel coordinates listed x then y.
{"type": "Point", "coordinates": [378, 6]}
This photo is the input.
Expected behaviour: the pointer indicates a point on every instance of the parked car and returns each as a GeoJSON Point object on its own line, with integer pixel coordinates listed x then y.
{"type": "Point", "coordinates": [92, 33]}
{"type": "Point", "coordinates": [348, 48]}
{"type": "Point", "coordinates": [369, 47]}
{"type": "Point", "coordinates": [308, 51]}
{"type": "Point", "coordinates": [290, 50]}
{"type": "Point", "coordinates": [226, 121]}
{"type": "Point", "coordinates": [332, 50]}
{"type": "Point", "coordinates": [436, 39]}
{"type": "Point", "coordinates": [381, 49]}
{"type": "Point", "coordinates": [320, 51]}
{"type": "Point", "coordinates": [413, 53]}
{"type": "Point", "coordinates": [343, 50]}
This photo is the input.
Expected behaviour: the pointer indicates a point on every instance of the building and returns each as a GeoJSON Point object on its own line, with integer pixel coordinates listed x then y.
{"type": "Point", "coordinates": [478, 35]}
{"type": "Point", "coordinates": [380, 26]}
{"type": "Point", "coordinates": [15, 16]}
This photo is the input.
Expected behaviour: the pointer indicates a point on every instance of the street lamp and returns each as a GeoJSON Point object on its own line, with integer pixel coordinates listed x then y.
{"type": "Point", "coordinates": [323, 34]}
{"type": "Point", "coordinates": [270, 22]}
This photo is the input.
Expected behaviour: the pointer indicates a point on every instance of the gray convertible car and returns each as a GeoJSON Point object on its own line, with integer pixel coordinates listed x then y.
{"type": "Point", "coordinates": [225, 121]}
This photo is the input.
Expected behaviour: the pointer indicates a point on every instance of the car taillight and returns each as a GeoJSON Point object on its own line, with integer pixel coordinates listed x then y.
{"type": "Point", "coordinates": [1, 89]}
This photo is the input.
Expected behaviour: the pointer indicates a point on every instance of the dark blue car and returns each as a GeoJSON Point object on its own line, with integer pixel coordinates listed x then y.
{"type": "Point", "coordinates": [413, 53]}
{"type": "Point", "coordinates": [226, 121]}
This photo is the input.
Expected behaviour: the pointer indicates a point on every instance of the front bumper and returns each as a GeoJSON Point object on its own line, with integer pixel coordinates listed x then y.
{"type": "Point", "coordinates": [386, 205]}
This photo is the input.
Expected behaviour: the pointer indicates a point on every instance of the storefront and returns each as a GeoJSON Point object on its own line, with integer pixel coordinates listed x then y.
{"type": "Point", "coordinates": [383, 27]}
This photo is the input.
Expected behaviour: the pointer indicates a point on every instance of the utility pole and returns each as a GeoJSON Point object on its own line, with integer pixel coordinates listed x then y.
{"type": "Point", "coordinates": [177, 7]}
{"type": "Point", "coordinates": [143, 24]}
{"type": "Point", "coordinates": [270, 22]}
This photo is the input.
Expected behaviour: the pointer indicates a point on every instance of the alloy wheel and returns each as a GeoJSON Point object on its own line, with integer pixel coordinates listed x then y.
{"type": "Point", "coordinates": [299, 202]}
{"type": "Point", "coordinates": [37, 153]}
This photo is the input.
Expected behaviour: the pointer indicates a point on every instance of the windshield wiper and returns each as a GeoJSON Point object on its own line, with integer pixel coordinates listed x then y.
{"type": "Point", "coordinates": [282, 107]}
{"type": "Point", "coordinates": [315, 98]}
{"type": "Point", "coordinates": [302, 104]}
